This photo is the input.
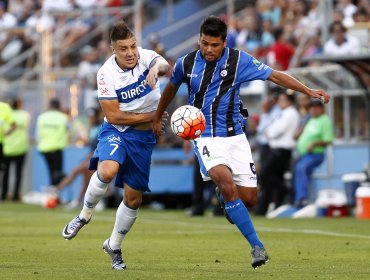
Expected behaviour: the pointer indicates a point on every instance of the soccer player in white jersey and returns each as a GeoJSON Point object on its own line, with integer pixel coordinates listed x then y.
{"type": "Point", "coordinates": [213, 75]}
{"type": "Point", "coordinates": [128, 93]}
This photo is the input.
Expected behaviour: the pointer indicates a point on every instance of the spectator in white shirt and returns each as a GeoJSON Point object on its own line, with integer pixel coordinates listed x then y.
{"type": "Point", "coordinates": [341, 43]}
{"type": "Point", "coordinates": [7, 21]}
{"type": "Point", "coordinates": [281, 140]}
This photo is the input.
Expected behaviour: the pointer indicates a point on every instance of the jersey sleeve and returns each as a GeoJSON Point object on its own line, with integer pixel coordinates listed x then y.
{"type": "Point", "coordinates": [177, 76]}
{"type": "Point", "coordinates": [147, 57]}
{"type": "Point", "coordinates": [252, 69]}
{"type": "Point", "coordinates": [105, 83]}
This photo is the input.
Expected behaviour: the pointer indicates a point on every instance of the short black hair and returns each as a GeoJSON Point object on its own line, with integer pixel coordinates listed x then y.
{"type": "Point", "coordinates": [316, 103]}
{"type": "Point", "coordinates": [214, 26]}
{"type": "Point", "coordinates": [337, 24]}
{"type": "Point", "coordinates": [290, 97]}
{"type": "Point", "coordinates": [277, 33]}
{"type": "Point", "coordinates": [54, 103]}
{"type": "Point", "coordinates": [120, 31]}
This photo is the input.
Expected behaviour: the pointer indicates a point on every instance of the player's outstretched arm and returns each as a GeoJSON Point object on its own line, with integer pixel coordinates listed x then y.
{"type": "Point", "coordinates": [159, 67]}
{"type": "Point", "coordinates": [115, 116]}
{"type": "Point", "coordinates": [287, 81]}
{"type": "Point", "coordinates": [168, 94]}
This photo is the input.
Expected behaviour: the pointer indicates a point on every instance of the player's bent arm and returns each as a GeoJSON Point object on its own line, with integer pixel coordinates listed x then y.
{"type": "Point", "coordinates": [158, 67]}
{"type": "Point", "coordinates": [115, 116]}
{"type": "Point", "coordinates": [168, 94]}
{"type": "Point", "coordinates": [287, 81]}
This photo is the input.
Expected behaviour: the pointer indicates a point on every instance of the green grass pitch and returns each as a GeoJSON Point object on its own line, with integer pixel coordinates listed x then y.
{"type": "Point", "coordinates": [169, 245]}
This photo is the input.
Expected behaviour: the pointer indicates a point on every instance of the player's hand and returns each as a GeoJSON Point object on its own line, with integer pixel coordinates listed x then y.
{"type": "Point", "coordinates": [152, 77]}
{"type": "Point", "coordinates": [186, 146]}
{"type": "Point", "coordinates": [158, 125]}
{"type": "Point", "coordinates": [164, 119]}
{"type": "Point", "coordinates": [320, 94]}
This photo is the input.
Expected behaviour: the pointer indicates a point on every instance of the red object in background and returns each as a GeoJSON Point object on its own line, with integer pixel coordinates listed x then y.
{"type": "Point", "coordinates": [363, 207]}
{"type": "Point", "coordinates": [337, 211]}
{"type": "Point", "coordinates": [51, 202]}
{"type": "Point", "coordinates": [115, 3]}
{"type": "Point", "coordinates": [283, 54]}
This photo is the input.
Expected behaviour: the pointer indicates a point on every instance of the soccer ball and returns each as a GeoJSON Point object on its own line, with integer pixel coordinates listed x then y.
{"type": "Point", "coordinates": [188, 122]}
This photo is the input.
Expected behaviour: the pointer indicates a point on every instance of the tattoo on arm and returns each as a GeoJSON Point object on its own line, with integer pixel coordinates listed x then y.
{"type": "Point", "coordinates": [161, 64]}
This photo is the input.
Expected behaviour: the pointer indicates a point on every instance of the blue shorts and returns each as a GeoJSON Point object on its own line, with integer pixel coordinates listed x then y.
{"type": "Point", "coordinates": [132, 149]}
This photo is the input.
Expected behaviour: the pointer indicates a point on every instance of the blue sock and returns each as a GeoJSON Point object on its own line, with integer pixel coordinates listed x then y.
{"type": "Point", "coordinates": [240, 216]}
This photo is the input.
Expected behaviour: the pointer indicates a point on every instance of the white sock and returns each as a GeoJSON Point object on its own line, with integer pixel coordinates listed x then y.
{"type": "Point", "coordinates": [125, 218]}
{"type": "Point", "coordinates": [94, 193]}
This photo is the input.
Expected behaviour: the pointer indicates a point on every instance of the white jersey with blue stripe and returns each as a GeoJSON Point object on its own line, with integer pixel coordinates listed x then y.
{"type": "Point", "coordinates": [214, 87]}
{"type": "Point", "coordinates": [128, 85]}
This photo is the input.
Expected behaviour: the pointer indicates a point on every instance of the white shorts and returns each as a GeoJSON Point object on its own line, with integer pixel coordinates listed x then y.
{"type": "Point", "coordinates": [234, 152]}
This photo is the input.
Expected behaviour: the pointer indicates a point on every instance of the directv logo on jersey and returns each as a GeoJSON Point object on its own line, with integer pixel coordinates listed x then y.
{"type": "Point", "coordinates": [131, 93]}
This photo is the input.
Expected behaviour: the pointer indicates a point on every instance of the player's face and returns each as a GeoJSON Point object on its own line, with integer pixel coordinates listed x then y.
{"type": "Point", "coordinates": [211, 47]}
{"type": "Point", "coordinates": [126, 52]}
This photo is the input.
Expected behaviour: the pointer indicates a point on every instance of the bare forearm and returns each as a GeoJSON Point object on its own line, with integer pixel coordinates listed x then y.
{"type": "Point", "coordinates": [128, 118]}
{"type": "Point", "coordinates": [166, 98]}
{"type": "Point", "coordinates": [287, 81]}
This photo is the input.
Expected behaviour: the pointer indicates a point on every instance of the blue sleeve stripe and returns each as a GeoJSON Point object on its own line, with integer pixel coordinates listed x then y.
{"type": "Point", "coordinates": [107, 98]}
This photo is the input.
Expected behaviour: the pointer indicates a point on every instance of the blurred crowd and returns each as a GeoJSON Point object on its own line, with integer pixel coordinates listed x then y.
{"type": "Point", "coordinates": [275, 31]}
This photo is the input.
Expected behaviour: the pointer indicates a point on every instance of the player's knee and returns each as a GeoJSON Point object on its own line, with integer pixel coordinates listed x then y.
{"type": "Point", "coordinates": [228, 192]}
{"type": "Point", "coordinates": [107, 170]}
{"type": "Point", "coordinates": [106, 175]}
{"type": "Point", "coordinates": [250, 201]}
{"type": "Point", "coordinates": [248, 196]}
{"type": "Point", "coordinates": [132, 202]}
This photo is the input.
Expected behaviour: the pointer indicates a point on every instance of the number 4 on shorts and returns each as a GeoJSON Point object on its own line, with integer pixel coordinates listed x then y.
{"type": "Point", "coordinates": [205, 151]}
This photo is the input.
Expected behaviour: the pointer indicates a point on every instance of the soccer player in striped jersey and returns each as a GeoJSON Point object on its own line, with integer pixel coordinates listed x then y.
{"type": "Point", "coordinates": [128, 93]}
{"type": "Point", "coordinates": [213, 75]}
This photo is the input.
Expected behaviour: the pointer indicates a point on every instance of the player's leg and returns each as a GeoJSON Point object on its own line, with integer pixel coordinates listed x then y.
{"type": "Point", "coordinates": [248, 195]}
{"type": "Point", "coordinates": [125, 217]}
{"type": "Point", "coordinates": [234, 205]}
{"type": "Point", "coordinates": [98, 186]}
{"type": "Point", "coordinates": [134, 176]}
{"type": "Point", "coordinates": [237, 211]}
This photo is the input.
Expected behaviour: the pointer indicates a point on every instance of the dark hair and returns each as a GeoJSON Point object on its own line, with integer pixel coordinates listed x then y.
{"type": "Point", "coordinates": [120, 31]}
{"type": "Point", "coordinates": [316, 103]}
{"type": "Point", "coordinates": [214, 26]}
{"type": "Point", "coordinates": [54, 103]}
{"type": "Point", "coordinates": [16, 103]}
{"type": "Point", "coordinates": [290, 97]}
{"type": "Point", "coordinates": [339, 24]}
{"type": "Point", "coordinates": [277, 33]}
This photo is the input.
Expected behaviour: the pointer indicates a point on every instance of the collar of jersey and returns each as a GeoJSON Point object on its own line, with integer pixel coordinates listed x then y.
{"type": "Point", "coordinates": [216, 61]}
{"type": "Point", "coordinates": [124, 70]}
